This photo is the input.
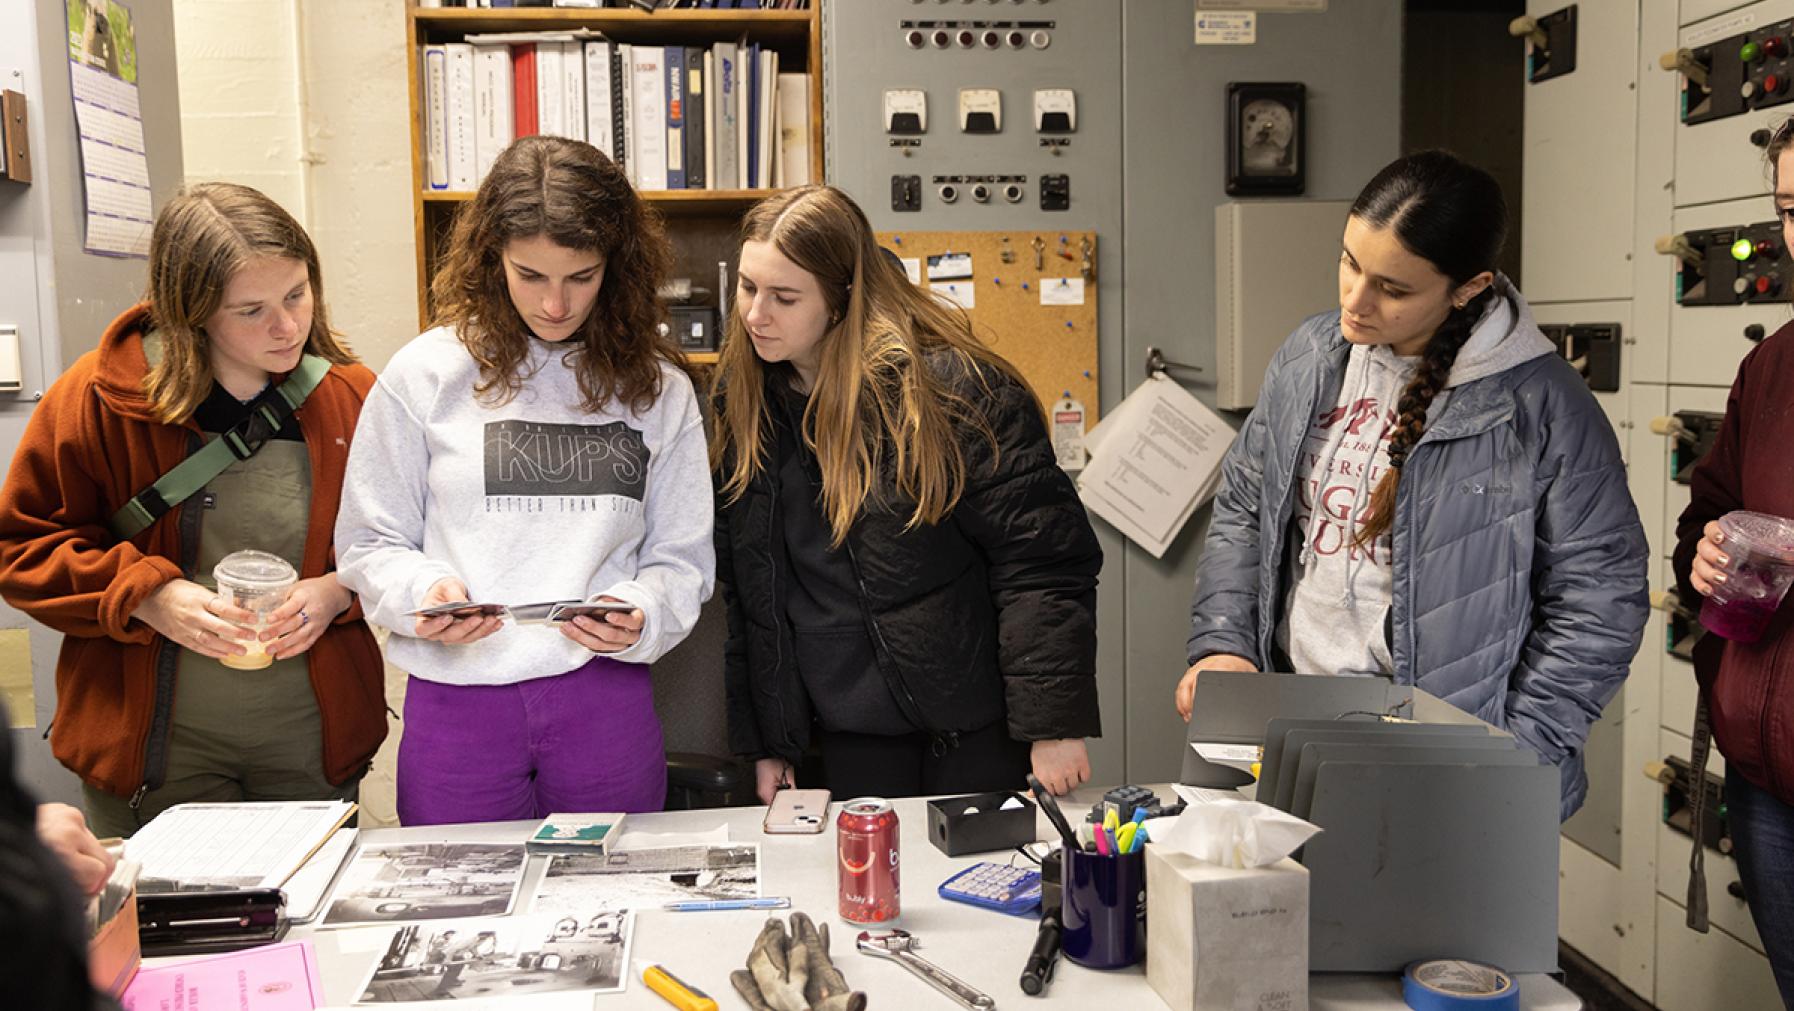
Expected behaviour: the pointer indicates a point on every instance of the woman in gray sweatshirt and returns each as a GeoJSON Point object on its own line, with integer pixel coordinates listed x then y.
{"type": "Point", "coordinates": [542, 443]}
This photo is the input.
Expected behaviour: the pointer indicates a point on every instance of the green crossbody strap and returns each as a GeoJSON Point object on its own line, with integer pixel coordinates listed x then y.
{"type": "Point", "coordinates": [207, 462]}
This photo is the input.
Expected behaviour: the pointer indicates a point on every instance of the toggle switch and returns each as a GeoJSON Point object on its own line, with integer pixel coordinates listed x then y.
{"type": "Point", "coordinates": [1682, 61]}
{"type": "Point", "coordinates": [906, 193]}
{"type": "Point", "coordinates": [1528, 28]}
{"type": "Point", "coordinates": [1679, 247]}
{"type": "Point", "coordinates": [1671, 427]}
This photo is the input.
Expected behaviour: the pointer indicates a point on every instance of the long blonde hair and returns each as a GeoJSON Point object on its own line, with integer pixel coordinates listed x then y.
{"type": "Point", "coordinates": [884, 396]}
{"type": "Point", "coordinates": [203, 236]}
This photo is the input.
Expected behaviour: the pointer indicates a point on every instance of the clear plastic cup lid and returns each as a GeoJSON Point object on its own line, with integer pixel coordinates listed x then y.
{"type": "Point", "coordinates": [1760, 532]}
{"type": "Point", "coordinates": [254, 570]}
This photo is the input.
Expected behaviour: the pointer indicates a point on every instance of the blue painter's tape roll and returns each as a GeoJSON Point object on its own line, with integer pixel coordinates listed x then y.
{"type": "Point", "coordinates": [1456, 985]}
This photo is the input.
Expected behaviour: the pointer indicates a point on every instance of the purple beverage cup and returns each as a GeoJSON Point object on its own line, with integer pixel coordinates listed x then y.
{"type": "Point", "coordinates": [1759, 550]}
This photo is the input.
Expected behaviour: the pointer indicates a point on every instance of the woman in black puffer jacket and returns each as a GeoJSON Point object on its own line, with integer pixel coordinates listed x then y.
{"type": "Point", "coordinates": [910, 578]}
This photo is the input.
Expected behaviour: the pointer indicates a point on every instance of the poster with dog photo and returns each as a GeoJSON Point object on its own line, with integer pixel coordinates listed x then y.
{"type": "Point", "coordinates": [101, 36]}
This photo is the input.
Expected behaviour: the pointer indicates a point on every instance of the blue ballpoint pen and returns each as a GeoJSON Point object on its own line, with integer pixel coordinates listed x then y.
{"type": "Point", "coordinates": [712, 905]}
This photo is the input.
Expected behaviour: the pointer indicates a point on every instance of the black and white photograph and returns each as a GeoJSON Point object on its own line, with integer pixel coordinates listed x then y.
{"type": "Point", "coordinates": [427, 881]}
{"type": "Point", "coordinates": [649, 878]}
{"type": "Point", "coordinates": [503, 957]}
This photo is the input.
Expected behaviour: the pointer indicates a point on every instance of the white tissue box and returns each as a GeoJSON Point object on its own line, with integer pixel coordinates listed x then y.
{"type": "Point", "coordinates": [1218, 938]}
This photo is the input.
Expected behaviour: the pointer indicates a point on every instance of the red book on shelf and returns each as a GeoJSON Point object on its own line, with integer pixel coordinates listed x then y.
{"type": "Point", "coordinates": [523, 89]}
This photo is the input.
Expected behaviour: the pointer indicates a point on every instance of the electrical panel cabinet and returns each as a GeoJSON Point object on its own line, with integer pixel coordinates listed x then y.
{"type": "Point", "coordinates": [1734, 77]}
{"type": "Point", "coordinates": [1731, 266]}
{"type": "Point", "coordinates": [976, 118]}
{"type": "Point", "coordinates": [1712, 325]}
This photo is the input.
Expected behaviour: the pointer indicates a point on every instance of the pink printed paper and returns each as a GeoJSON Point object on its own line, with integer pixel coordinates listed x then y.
{"type": "Point", "coordinates": [275, 977]}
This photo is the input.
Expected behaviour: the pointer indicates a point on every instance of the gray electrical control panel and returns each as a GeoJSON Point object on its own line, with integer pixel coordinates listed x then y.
{"type": "Point", "coordinates": [976, 116]}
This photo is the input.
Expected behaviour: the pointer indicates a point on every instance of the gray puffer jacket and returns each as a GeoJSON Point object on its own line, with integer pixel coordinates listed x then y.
{"type": "Point", "coordinates": [1519, 584]}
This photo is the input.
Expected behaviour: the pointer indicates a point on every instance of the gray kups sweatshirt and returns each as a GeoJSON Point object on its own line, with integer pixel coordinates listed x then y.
{"type": "Point", "coordinates": [532, 500]}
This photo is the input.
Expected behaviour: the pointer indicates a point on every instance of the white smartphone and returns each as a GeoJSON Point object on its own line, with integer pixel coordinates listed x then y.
{"type": "Point", "coordinates": [797, 812]}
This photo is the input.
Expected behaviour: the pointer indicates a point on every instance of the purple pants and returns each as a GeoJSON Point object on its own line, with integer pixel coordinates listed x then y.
{"type": "Point", "coordinates": [583, 741]}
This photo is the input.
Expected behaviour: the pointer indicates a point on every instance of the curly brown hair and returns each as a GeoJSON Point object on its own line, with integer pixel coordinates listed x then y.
{"type": "Point", "coordinates": [571, 193]}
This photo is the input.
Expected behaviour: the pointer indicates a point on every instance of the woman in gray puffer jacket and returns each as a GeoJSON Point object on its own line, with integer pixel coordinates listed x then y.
{"type": "Point", "coordinates": [1426, 491]}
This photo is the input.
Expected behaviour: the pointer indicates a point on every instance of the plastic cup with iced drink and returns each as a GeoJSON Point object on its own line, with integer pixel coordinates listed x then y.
{"type": "Point", "coordinates": [1760, 552]}
{"type": "Point", "coordinates": [254, 581]}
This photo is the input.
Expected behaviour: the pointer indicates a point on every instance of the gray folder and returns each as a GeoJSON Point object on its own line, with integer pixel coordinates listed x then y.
{"type": "Point", "coordinates": [1283, 747]}
{"type": "Point", "coordinates": [1232, 707]}
{"type": "Point", "coordinates": [1314, 756]}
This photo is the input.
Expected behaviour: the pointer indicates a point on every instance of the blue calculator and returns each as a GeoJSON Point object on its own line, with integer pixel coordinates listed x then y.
{"type": "Point", "coordinates": [1006, 889]}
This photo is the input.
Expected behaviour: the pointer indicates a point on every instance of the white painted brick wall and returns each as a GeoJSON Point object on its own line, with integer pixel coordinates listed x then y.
{"type": "Point", "coordinates": [341, 165]}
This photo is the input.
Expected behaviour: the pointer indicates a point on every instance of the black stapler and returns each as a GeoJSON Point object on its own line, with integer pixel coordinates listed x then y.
{"type": "Point", "coordinates": [195, 923]}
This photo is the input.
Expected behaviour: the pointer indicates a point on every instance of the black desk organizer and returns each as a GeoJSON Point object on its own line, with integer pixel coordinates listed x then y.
{"type": "Point", "coordinates": [955, 832]}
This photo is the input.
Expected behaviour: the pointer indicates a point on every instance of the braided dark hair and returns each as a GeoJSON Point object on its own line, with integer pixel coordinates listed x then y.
{"type": "Point", "coordinates": [1451, 214]}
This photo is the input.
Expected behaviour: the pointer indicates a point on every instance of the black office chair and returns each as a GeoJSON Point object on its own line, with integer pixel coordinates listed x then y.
{"type": "Point", "coordinates": [688, 695]}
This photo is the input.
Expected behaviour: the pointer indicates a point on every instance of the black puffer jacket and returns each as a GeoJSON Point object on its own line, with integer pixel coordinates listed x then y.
{"type": "Point", "coordinates": [988, 615]}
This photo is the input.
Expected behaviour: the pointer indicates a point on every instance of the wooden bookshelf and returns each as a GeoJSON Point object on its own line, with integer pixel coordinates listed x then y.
{"type": "Point", "coordinates": [702, 224]}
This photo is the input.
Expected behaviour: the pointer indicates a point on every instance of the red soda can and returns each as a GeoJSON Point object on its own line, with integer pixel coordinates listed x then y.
{"type": "Point", "coordinates": [867, 840]}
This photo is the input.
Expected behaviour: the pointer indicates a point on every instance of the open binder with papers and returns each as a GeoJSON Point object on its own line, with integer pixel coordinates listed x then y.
{"type": "Point", "coordinates": [253, 867]}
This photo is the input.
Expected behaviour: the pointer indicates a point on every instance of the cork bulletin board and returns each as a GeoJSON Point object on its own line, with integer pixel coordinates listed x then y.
{"type": "Point", "coordinates": [1031, 296]}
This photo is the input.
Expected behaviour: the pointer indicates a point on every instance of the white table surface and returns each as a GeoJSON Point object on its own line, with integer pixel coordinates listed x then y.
{"type": "Point", "coordinates": [984, 948]}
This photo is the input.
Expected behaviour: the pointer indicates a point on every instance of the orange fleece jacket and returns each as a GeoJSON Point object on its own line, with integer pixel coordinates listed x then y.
{"type": "Point", "coordinates": [91, 445]}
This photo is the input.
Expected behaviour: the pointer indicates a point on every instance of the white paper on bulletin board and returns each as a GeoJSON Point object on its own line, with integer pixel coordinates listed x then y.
{"type": "Point", "coordinates": [1061, 291]}
{"type": "Point", "coordinates": [114, 162]}
{"type": "Point", "coordinates": [1226, 29]}
{"type": "Point", "coordinates": [960, 293]}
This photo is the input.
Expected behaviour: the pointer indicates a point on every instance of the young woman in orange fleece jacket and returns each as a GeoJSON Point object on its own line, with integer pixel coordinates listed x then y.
{"type": "Point", "coordinates": [146, 714]}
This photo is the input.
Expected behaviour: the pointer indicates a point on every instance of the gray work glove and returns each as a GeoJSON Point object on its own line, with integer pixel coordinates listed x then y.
{"type": "Point", "coordinates": [791, 971]}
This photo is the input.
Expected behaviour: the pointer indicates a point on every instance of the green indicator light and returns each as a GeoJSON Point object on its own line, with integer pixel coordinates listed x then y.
{"type": "Point", "coordinates": [1750, 52]}
{"type": "Point", "coordinates": [1742, 250]}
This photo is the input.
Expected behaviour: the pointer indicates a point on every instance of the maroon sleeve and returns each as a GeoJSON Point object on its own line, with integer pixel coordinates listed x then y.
{"type": "Point", "coordinates": [1716, 486]}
